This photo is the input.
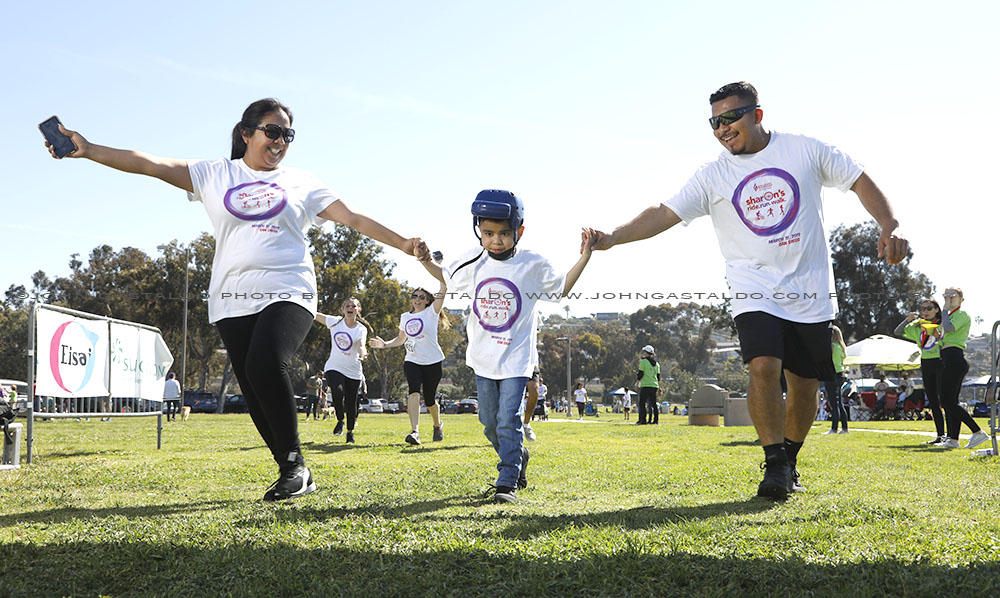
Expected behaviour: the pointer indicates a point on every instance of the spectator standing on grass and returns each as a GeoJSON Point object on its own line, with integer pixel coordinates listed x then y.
{"type": "Point", "coordinates": [171, 394]}
{"type": "Point", "coordinates": [763, 195]}
{"type": "Point", "coordinates": [627, 403]}
{"type": "Point", "coordinates": [315, 397]}
{"type": "Point", "coordinates": [956, 325]}
{"type": "Point", "coordinates": [262, 295]}
{"type": "Point", "coordinates": [838, 412]}
{"type": "Point", "coordinates": [580, 398]}
{"type": "Point", "coordinates": [881, 388]}
{"type": "Point", "coordinates": [648, 379]}
{"type": "Point", "coordinates": [924, 328]}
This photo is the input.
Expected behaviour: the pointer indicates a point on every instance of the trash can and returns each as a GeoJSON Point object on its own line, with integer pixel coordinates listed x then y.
{"type": "Point", "coordinates": [12, 447]}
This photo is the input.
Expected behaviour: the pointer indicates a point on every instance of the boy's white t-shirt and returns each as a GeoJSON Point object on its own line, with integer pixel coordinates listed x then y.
{"type": "Point", "coordinates": [627, 400]}
{"type": "Point", "coordinates": [768, 216]}
{"type": "Point", "coordinates": [501, 328]}
{"type": "Point", "coordinates": [421, 331]}
{"type": "Point", "coordinates": [580, 395]}
{"type": "Point", "coordinates": [346, 346]}
{"type": "Point", "coordinates": [260, 220]}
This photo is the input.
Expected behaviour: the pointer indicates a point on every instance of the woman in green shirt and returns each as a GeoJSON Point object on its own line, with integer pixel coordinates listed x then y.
{"type": "Point", "coordinates": [924, 328]}
{"type": "Point", "coordinates": [838, 412]}
{"type": "Point", "coordinates": [954, 367]}
{"type": "Point", "coordinates": [648, 377]}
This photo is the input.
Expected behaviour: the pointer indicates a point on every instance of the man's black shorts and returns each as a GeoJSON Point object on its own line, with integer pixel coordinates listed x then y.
{"type": "Point", "coordinates": [806, 350]}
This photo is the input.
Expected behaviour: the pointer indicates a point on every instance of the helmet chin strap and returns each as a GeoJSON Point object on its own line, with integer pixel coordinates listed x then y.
{"type": "Point", "coordinates": [506, 255]}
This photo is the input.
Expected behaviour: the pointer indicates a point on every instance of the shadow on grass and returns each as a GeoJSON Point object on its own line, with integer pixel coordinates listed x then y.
{"type": "Point", "coordinates": [80, 568]}
{"type": "Point", "coordinates": [310, 514]}
{"type": "Point", "coordinates": [430, 449]}
{"type": "Point", "coordinates": [740, 443]}
{"type": "Point", "coordinates": [144, 511]}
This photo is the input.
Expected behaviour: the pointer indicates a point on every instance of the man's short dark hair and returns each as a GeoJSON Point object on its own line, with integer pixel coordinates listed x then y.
{"type": "Point", "coordinates": [741, 89]}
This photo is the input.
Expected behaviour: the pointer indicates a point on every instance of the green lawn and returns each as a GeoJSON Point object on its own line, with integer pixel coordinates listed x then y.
{"type": "Point", "coordinates": [611, 510]}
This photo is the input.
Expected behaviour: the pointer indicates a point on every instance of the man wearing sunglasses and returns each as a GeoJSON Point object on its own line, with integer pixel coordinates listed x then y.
{"type": "Point", "coordinates": [764, 197]}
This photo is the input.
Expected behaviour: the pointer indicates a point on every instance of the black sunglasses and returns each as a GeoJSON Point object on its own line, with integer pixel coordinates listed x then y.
{"type": "Point", "coordinates": [275, 131]}
{"type": "Point", "coordinates": [731, 116]}
{"type": "Point", "coordinates": [926, 307]}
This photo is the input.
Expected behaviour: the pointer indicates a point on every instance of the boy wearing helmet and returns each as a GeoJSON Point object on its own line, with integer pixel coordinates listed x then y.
{"type": "Point", "coordinates": [504, 283]}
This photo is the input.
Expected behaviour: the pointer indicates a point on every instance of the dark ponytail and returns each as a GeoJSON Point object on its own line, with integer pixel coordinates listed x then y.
{"type": "Point", "coordinates": [251, 118]}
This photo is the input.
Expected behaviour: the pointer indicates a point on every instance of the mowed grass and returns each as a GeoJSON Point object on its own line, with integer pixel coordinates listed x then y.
{"type": "Point", "coordinates": [611, 510]}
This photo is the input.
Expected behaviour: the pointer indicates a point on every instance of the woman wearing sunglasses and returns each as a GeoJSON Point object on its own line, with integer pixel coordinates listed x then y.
{"type": "Point", "coordinates": [956, 324]}
{"type": "Point", "coordinates": [418, 330]}
{"type": "Point", "coordinates": [924, 328]}
{"type": "Point", "coordinates": [262, 295]}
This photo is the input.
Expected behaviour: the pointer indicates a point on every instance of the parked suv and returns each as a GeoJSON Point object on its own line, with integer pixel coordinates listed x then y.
{"type": "Point", "coordinates": [200, 401]}
{"type": "Point", "coordinates": [372, 406]}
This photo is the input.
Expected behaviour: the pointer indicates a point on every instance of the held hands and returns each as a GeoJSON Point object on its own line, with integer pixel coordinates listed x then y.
{"type": "Point", "coordinates": [417, 248]}
{"type": "Point", "coordinates": [892, 247]}
{"type": "Point", "coordinates": [82, 145]}
{"type": "Point", "coordinates": [587, 240]}
{"type": "Point", "coordinates": [598, 240]}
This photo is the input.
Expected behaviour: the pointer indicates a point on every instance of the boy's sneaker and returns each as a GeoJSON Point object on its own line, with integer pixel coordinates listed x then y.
{"type": "Point", "coordinates": [350, 437]}
{"type": "Point", "coordinates": [775, 484]}
{"type": "Point", "coordinates": [529, 434]}
{"type": "Point", "coordinates": [949, 443]}
{"type": "Point", "coordinates": [504, 494]}
{"type": "Point", "coordinates": [294, 482]}
{"type": "Point", "coordinates": [438, 434]}
{"type": "Point", "coordinates": [522, 477]}
{"type": "Point", "coordinates": [338, 429]}
{"type": "Point", "coordinates": [977, 439]}
{"type": "Point", "coordinates": [412, 438]}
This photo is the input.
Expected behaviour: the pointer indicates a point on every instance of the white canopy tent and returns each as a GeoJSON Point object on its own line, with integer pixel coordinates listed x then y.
{"type": "Point", "coordinates": [886, 352]}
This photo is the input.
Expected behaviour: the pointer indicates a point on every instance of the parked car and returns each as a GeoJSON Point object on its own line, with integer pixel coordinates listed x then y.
{"type": "Point", "coordinates": [235, 404]}
{"type": "Point", "coordinates": [371, 406]}
{"type": "Point", "coordinates": [394, 407]}
{"type": "Point", "coordinates": [469, 405]}
{"type": "Point", "coordinates": [200, 401]}
{"type": "Point", "coordinates": [449, 406]}
{"type": "Point", "coordinates": [981, 409]}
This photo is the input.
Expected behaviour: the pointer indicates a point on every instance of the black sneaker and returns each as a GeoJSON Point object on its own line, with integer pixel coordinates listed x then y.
{"type": "Point", "coordinates": [294, 482]}
{"type": "Point", "coordinates": [522, 477]}
{"type": "Point", "coordinates": [350, 437]}
{"type": "Point", "coordinates": [775, 483]}
{"type": "Point", "coordinates": [412, 438]}
{"type": "Point", "coordinates": [793, 479]}
{"type": "Point", "coordinates": [438, 435]}
{"type": "Point", "coordinates": [504, 494]}
{"type": "Point", "coordinates": [338, 429]}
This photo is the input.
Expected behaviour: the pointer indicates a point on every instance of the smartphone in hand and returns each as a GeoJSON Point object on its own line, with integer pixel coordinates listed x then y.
{"type": "Point", "coordinates": [62, 144]}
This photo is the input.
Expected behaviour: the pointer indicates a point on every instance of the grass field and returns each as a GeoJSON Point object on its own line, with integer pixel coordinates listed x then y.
{"type": "Point", "coordinates": [611, 510]}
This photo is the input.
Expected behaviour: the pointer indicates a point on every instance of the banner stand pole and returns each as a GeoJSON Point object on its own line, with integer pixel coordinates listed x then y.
{"type": "Point", "coordinates": [31, 378]}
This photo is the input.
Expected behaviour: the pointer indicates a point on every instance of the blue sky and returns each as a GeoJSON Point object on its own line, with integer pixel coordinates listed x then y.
{"type": "Point", "coordinates": [590, 111]}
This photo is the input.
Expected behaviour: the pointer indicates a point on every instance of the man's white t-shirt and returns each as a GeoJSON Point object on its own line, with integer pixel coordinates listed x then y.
{"type": "Point", "coordinates": [421, 331]}
{"type": "Point", "coordinates": [260, 220]}
{"type": "Point", "coordinates": [346, 347]}
{"type": "Point", "coordinates": [171, 389]}
{"type": "Point", "coordinates": [768, 216]}
{"type": "Point", "coordinates": [542, 389]}
{"type": "Point", "coordinates": [501, 328]}
{"type": "Point", "coordinates": [580, 395]}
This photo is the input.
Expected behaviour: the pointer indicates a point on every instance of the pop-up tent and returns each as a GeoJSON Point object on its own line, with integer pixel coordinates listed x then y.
{"type": "Point", "coordinates": [885, 352]}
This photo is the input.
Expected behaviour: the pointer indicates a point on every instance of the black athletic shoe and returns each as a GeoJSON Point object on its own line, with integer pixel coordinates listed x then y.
{"type": "Point", "coordinates": [338, 429]}
{"type": "Point", "coordinates": [294, 482]}
{"type": "Point", "coordinates": [775, 484]}
{"type": "Point", "coordinates": [438, 435]}
{"type": "Point", "coordinates": [504, 494]}
{"type": "Point", "coordinates": [412, 438]}
{"type": "Point", "coordinates": [350, 437]}
{"type": "Point", "coordinates": [522, 477]}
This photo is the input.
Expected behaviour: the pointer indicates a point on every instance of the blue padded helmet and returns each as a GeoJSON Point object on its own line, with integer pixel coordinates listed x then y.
{"type": "Point", "coordinates": [497, 204]}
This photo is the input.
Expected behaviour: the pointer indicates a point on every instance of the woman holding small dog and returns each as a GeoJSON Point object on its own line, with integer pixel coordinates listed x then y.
{"type": "Point", "coordinates": [418, 329]}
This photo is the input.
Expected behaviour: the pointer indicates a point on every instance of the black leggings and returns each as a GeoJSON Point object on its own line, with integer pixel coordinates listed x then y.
{"type": "Point", "coordinates": [344, 391]}
{"type": "Point", "coordinates": [954, 367]}
{"type": "Point", "coordinates": [838, 413]}
{"type": "Point", "coordinates": [648, 410]}
{"type": "Point", "coordinates": [423, 376]}
{"type": "Point", "coordinates": [260, 346]}
{"type": "Point", "coordinates": [930, 371]}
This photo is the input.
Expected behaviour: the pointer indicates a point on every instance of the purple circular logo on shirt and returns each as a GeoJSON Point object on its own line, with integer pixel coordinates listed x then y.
{"type": "Point", "coordinates": [413, 326]}
{"type": "Point", "coordinates": [255, 201]}
{"type": "Point", "coordinates": [767, 201]}
{"type": "Point", "coordinates": [497, 304]}
{"type": "Point", "coordinates": [343, 340]}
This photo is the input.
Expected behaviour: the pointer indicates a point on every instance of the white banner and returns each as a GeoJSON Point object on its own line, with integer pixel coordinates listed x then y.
{"type": "Point", "coordinates": [71, 356]}
{"type": "Point", "coordinates": [139, 362]}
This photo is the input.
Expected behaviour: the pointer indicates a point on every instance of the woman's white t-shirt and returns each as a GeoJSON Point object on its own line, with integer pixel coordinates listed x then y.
{"type": "Point", "coordinates": [580, 395]}
{"type": "Point", "coordinates": [420, 330]}
{"type": "Point", "coordinates": [260, 220]}
{"type": "Point", "coordinates": [346, 345]}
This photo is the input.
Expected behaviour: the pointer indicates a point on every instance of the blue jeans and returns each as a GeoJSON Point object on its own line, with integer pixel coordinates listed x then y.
{"type": "Point", "coordinates": [501, 413]}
